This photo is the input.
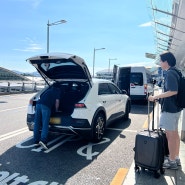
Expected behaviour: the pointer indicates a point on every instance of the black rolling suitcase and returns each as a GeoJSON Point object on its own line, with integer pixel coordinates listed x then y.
{"type": "Point", "coordinates": [149, 149]}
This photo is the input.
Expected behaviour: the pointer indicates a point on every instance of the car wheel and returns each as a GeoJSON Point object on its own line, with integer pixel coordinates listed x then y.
{"type": "Point", "coordinates": [127, 111]}
{"type": "Point", "coordinates": [98, 127]}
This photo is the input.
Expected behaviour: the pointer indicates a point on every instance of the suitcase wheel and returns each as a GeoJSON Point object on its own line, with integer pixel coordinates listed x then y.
{"type": "Point", "coordinates": [136, 168]}
{"type": "Point", "coordinates": [156, 174]}
{"type": "Point", "coordinates": [162, 170]}
{"type": "Point", "coordinates": [142, 169]}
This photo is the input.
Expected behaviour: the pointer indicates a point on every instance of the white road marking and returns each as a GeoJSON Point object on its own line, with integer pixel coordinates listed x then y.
{"type": "Point", "coordinates": [12, 109]}
{"type": "Point", "coordinates": [58, 144]}
{"type": "Point", "coordinates": [14, 133]}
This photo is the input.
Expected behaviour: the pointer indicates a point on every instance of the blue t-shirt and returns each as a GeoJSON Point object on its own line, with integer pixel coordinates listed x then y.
{"type": "Point", "coordinates": [169, 104]}
{"type": "Point", "coordinates": [48, 98]}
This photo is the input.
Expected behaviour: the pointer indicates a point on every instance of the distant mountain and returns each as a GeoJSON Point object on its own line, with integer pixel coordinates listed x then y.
{"type": "Point", "coordinates": [36, 74]}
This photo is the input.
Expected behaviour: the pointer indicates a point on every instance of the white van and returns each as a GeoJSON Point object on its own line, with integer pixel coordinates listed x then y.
{"type": "Point", "coordinates": [136, 80]}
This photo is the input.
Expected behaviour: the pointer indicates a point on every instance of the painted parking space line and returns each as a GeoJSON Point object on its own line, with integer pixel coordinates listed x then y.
{"type": "Point", "coordinates": [58, 144]}
{"type": "Point", "coordinates": [12, 109]}
{"type": "Point", "coordinates": [13, 133]}
{"type": "Point", "coordinates": [119, 177]}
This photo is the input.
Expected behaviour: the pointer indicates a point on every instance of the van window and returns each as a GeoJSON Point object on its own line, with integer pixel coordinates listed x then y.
{"type": "Point", "coordinates": [136, 79]}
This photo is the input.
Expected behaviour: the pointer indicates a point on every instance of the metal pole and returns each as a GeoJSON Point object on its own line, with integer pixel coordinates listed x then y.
{"type": "Point", "coordinates": [109, 63]}
{"type": "Point", "coordinates": [52, 24]}
{"type": "Point", "coordinates": [93, 61]}
{"type": "Point", "coordinates": [94, 58]}
{"type": "Point", "coordinates": [48, 37]}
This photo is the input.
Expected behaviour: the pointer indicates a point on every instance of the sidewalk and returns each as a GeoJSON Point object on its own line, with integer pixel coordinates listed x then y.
{"type": "Point", "coordinates": [170, 177]}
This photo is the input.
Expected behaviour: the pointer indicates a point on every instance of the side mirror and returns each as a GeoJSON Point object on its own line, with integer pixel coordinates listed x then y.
{"type": "Point", "coordinates": [154, 81]}
{"type": "Point", "coordinates": [124, 91]}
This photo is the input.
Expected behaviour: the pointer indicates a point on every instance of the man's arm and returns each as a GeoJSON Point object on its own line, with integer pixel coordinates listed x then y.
{"type": "Point", "coordinates": [162, 95]}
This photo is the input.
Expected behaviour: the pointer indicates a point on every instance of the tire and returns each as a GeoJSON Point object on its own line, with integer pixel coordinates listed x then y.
{"type": "Point", "coordinates": [126, 116]}
{"type": "Point", "coordinates": [98, 127]}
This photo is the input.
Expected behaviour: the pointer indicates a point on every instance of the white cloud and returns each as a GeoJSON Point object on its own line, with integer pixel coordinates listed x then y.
{"type": "Point", "coordinates": [34, 3]}
{"type": "Point", "coordinates": [31, 46]}
{"type": "Point", "coordinates": [147, 24]}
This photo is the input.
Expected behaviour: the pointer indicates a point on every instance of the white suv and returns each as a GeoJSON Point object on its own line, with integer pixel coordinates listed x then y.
{"type": "Point", "coordinates": [87, 105]}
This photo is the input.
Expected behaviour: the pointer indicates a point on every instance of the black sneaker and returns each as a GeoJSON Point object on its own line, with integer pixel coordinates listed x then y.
{"type": "Point", "coordinates": [44, 145]}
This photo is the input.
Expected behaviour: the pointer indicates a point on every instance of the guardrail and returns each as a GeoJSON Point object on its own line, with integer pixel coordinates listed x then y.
{"type": "Point", "coordinates": [20, 87]}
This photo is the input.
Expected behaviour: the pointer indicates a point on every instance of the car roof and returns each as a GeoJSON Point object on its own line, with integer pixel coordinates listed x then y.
{"type": "Point", "coordinates": [62, 66]}
{"type": "Point", "coordinates": [98, 80]}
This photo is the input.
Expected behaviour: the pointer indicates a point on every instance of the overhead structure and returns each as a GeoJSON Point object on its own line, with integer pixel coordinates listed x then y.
{"type": "Point", "coordinates": [7, 75]}
{"type": "Point", "coordinates": [168, 18]}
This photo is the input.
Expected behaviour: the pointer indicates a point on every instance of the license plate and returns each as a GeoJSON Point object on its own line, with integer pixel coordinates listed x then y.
{"type": "Point", "coordinates": [55, 120]}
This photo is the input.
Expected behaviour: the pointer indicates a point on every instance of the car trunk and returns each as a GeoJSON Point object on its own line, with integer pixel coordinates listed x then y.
{"type": "Point", "coordinates": [71, 94]}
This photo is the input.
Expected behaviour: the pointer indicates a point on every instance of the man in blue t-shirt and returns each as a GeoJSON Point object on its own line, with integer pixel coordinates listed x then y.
{"type": "Point", "coordinates": [170, 112]}
{"type": "Point", "coordinates": [50, 98]}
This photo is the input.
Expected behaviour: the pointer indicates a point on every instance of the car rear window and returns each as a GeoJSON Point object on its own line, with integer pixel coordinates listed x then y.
{"type": "Point", "coordinates": [61, 69]}
{"type": "Point", "coordinates": [56, 63]}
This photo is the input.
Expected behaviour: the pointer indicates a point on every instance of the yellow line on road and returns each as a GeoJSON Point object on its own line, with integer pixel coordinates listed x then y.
{"type": "Point", "coordinates": [119, 177]}
{"type": "Point", "coordinates": [145, 125]}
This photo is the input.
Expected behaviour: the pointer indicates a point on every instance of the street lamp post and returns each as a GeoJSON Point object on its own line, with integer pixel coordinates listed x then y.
{"type": "Point", "coordinates": [94, 58]}
{"type": "Point", "coordinates": [52, 24]}
{"type": "Point", "coordinates": [109, 62]}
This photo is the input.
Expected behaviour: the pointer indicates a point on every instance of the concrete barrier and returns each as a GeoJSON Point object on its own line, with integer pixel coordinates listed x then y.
{"type": "Point", "coordinates": [20, 87]}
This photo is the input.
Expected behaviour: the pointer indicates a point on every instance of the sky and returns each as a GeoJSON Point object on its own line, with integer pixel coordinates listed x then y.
{"type": "Point", "coordinates": [122, 27]}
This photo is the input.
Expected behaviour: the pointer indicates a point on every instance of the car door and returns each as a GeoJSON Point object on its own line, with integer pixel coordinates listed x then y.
{"type": "Point", "coordinates": [109, 100]}
{"type": "Point", "coordinates": [136, 83]}
{"type": "Point", "coordinates": [61, 66]}
{"type": "Point", "coordinates": [119, 98]}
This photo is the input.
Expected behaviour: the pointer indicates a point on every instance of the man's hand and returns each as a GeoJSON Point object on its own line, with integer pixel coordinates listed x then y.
{"type": "Point", "coordinates": [152, 98]}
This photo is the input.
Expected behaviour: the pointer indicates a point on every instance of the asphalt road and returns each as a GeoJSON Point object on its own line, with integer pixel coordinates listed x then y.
{"type": "Point", "coordinates": [70, 160]}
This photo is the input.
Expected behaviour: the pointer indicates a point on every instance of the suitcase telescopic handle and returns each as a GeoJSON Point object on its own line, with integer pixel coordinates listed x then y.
{"type": "Point", "coordinates": [153, 108]}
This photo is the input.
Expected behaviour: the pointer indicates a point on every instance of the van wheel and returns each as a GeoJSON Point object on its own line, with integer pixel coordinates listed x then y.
{"type": "Point", "coordinates": [98, 127]}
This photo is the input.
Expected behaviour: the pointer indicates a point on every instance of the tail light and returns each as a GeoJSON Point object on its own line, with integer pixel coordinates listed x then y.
{"type": "Point", "coordinates": [145, 88]}
{"type": "Point", "coordinates": [80, 105]}
{"type": "Point", "coordinates": [31, 102]}
{"type": "Point", "coordinates": [31, 107]}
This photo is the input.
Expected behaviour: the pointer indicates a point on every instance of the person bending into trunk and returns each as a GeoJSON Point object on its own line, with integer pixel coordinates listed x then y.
{"type": "Point", "coordinates": [44, 106]}
{"type": "Point", "coordinates": [170, 112]}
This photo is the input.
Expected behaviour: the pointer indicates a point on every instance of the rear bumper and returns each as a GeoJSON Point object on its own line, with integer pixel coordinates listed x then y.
{"type": "Point", "coordinates": [68, 124]}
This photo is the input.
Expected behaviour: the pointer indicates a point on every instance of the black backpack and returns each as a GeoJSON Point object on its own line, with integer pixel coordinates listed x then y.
{"type": "Point", "coordinates": [181, 89]}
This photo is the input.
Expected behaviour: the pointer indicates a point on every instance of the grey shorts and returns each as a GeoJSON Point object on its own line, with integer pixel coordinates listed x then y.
{"type": "Point", "coordinates": [169, 121]}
